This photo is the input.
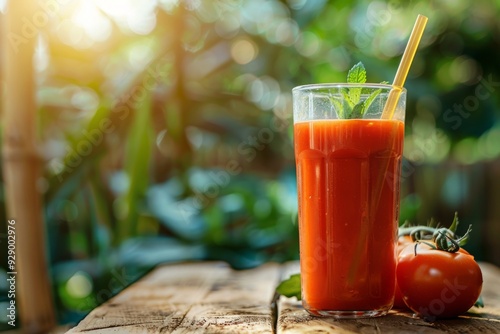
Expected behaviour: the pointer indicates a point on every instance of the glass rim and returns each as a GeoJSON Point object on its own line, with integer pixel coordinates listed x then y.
{"type": "Point", "coordinates": [320, 86]}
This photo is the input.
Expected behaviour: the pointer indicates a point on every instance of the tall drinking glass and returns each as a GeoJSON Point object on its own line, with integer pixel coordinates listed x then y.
{"type": "Point", "coordinates": [348, 173]}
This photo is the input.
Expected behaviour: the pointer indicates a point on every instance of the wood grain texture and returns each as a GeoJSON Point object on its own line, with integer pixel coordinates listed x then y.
{"type": "Point", "coordinates": [213, 298]}
{"type": "Point", "coordinates": [190, 298]}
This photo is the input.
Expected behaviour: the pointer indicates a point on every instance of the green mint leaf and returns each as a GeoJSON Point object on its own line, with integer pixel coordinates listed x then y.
{"type": "Point", "coordinates": [338, 106]}
{"type": "Point", "coordinates": [290, 287]}
{"type": "Point", "coordinates": [369, 100]}
{"type": "Point", "coordinates": [343, 105]}
{"type": "Point", "coordinates": [357, 74]}
{"type": "Point", "coordinates": [358, 110]}
{"type": "Point", "coordinates": [347, 97]}
{"type": "Point", "coordinates": [349, 105]}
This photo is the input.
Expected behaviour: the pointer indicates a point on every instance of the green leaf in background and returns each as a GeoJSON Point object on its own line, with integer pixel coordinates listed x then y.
{"type": "Point", "coordinates": [290, 287]}
{"type": "Point", "coordinates": [138, 153]}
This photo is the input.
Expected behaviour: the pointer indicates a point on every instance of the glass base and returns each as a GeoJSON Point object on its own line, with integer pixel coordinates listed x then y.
{"type": "Point", "coordinates": [348, 314]}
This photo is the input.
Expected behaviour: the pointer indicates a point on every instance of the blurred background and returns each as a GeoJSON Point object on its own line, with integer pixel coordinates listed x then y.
{"type": "Point", "coordinates": [166, 132]}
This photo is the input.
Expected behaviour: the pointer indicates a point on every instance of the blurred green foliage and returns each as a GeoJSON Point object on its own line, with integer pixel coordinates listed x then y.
{"type": "Point", "coordinates": [166, 124]}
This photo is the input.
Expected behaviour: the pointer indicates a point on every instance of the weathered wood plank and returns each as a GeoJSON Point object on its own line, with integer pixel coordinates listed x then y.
{"type": "Point", "coordinates": [292, 318]}
{"type": "Point", "coordinates": [161, 298]}
{"type": "Point", "coordinates": [240, 304]}
{"type": "Point", "coordinates": [187, 298]}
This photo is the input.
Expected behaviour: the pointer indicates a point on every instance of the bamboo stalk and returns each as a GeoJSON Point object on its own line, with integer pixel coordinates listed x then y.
{"type": "Point", "coordinates": [22, 167]}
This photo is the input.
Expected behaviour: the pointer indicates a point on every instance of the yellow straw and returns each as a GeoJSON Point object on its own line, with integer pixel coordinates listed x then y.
{"type": "Point", "coordinates": [404, 67]}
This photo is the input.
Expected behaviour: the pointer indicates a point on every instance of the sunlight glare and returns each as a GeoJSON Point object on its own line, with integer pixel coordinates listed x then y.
{"type": "Point", "coordinates": [136, 16]}
{"type": "Point", "coordinates": [88, 17]}
{"type": "Point", "coordinates": [167, 5]}
{"type": "Point", "coordinates": [70, 34]}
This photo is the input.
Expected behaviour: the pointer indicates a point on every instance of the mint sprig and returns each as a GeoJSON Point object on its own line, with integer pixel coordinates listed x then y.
{"type": "Point", "coordinates": [349, 105]}
{"type": "Point", "coordinates": [357, 74]}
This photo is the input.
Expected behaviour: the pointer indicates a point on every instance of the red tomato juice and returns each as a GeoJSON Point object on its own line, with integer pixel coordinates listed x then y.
{"type": "Point", "coordinates": [348, 188]}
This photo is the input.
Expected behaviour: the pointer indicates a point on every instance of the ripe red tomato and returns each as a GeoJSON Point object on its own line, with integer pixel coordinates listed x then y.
{"type": "Point", "coordinates": [438, 284]}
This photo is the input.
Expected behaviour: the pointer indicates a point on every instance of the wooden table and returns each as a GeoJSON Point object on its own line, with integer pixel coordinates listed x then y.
{"type": "Point", "coordinates": [210, 297]}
